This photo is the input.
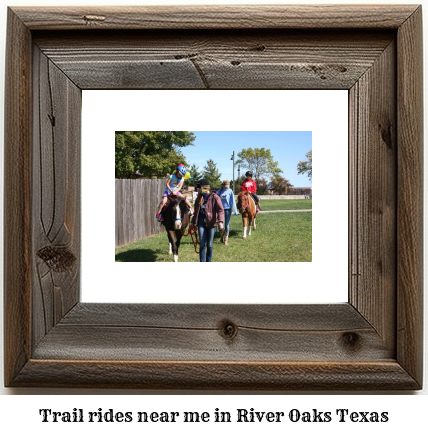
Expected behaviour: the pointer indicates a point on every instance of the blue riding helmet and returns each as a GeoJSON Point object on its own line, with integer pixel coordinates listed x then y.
{"type": "Point", "coordinates": [249, 173]}
{"type": "Point", "coordinates": [182, 169]}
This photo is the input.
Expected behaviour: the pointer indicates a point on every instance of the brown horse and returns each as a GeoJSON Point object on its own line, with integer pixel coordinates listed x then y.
{"type": "Point", "coordinates": [247, 208]}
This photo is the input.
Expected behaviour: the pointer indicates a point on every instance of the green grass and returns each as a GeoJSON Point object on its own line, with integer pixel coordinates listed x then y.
{"type": "Point", "coordinates": [279, 237]}
{"type": "Point", "coordinates": [278, 204]}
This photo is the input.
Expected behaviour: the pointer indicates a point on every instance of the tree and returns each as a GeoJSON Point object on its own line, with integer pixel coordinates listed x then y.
{"type": "Point", "coordinates": [260, 161]}
{"type": "Point", "coordinates": [149, 153]}
{"type": "Point", "coordinates": [195, 175]}
{"type": "Point", "coordinates": [306, 166]}
{"type": "Point", "coordinates": [262, 186]}
{"type": "Point", "coordinates": [279, 185]}
{"type": "Point", "coordinates": [238, 183]}
{"type": "Point", "coordinates": [212, 174]}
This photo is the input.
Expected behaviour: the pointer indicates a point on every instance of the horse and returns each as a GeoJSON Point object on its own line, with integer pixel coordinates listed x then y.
{"type": "Point", "coordinates": [176, 219]}
{"type": "Point", "coordinates": [247, 208]}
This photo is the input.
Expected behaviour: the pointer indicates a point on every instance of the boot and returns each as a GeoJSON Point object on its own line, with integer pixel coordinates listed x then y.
{"type": "Point", "coordinates": [225, 239]}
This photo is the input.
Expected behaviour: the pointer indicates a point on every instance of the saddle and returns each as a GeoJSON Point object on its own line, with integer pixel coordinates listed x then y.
{"type": "Point", "coordinates": [169, 199]}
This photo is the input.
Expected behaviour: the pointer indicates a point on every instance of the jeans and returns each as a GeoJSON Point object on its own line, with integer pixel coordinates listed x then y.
{"type": "Point", "coordinates": [227, 215]}
{"type": "Point", "coordinates": [206, 239]}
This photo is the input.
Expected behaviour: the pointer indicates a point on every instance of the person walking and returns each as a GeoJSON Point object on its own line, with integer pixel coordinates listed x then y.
{"type": "Point", "coordinates": [208, 212]}
{"type": "Point", "coordinates": [229, 205]}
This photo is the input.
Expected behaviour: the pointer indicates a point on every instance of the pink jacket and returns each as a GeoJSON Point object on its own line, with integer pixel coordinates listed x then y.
{"type": "Point", "coordinates": [214, 211]}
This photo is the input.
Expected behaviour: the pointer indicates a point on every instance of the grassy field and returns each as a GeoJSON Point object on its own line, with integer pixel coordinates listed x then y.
{"type": "Point", "coordinates": [280, 237]}
{"type": "Point", "coordinates": [286, 204]}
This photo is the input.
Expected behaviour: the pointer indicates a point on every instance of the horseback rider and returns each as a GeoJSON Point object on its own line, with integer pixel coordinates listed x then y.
{"type": "Point", "coordinates": [173, 186]}
{"type": "Point", "coordinates": [250, 185]}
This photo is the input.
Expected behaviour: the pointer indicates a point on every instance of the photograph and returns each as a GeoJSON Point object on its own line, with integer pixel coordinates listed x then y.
{"type": "Point", "coordinates": [242, 196]}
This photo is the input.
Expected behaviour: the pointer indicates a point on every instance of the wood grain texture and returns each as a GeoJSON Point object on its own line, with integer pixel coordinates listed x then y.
{"type": "Point", "coordinates": [340, 317]}
{"type": "Point", "coordinates": [216, 17]}
{"type": "Point", "coordinates": [373, 162]}
{"type": "Point", "coordinates": [199, 332]}
{"type": "Point", "coordinates": [56, 195]}
{"type": "Point", "coordinates": [385, 375]}
{"type": "Point", "coordinates": [410, 196]}
{"type": "Point", "coordinates": [17, 199]}
{"type": "Point", "coordinates": [216, 59]}
{"type": "Point", "coordinates": [372, 342]}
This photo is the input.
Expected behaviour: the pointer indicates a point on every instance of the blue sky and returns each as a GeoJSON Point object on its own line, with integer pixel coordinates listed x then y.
{"type": "Point", "coordinates": [287, 148]}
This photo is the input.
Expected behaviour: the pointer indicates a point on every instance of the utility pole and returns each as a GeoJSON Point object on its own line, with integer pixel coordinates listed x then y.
{"type": "Point", "coordinates": [233, 180]}
{"type": "Point", "coordinates": [239, 176]}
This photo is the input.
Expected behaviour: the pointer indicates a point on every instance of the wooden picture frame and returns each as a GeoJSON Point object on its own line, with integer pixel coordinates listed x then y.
{"type": "Point", "coordinates": [372, 342]}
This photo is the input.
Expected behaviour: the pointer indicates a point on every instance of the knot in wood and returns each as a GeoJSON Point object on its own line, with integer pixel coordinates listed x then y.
{"type": "Point", "coordinates": [58, 259]}
{"type": "Point", "coordinates": [52, 119]}
{"type": "Point", "coordinates": [228, 330]}
{"type": "Point", "coordinates": [257, 48]}
{"type": "Point", "coordinates": [186, 56]}
{"type": "Point", "coordinates": [89, 18]}
{"type": "Point", "coordinates": [386, 134]}
{"type": "Point", "coordinates": [351, 340]}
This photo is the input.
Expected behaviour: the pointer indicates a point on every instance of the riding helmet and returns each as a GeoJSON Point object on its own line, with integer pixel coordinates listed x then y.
{"type": "Point", "coordinates": [249, 173]}
{"type": "Point", "coordinates": [204, 182]}
{"type": "Point", "coordinates": [182, 169]}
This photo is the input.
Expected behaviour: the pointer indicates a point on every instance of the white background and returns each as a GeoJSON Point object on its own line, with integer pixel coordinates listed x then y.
{"type": "Point", "coordinates": [325, 113]}
{"type": "Point", "coordinates": [16, 412]}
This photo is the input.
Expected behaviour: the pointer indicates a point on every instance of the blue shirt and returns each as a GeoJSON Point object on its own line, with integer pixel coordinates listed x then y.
{"type": "Point", "coordinates": [227, 199]}
{"type": "Point", "coordinates": [174, 182]}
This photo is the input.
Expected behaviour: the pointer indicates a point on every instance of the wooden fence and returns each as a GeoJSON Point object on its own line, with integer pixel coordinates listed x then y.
{"type": "Point", "coordinates": [137, 201]}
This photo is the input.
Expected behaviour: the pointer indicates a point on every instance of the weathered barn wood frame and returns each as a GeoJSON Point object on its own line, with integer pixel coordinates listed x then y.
{"type": "Point", "coordinates": [372, 342]}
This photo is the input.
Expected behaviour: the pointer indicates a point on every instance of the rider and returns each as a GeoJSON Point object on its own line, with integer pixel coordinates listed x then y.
{"type": "Point", "coordinates": [173, 186]}
{"type": "Point", "coordinates": [250, 185]}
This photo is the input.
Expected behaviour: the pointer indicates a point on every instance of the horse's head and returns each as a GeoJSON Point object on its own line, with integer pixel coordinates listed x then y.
{"type": "Point", "coordinates": [179, 213]}
{"type": "Point", "coordinates": [243, 200]}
